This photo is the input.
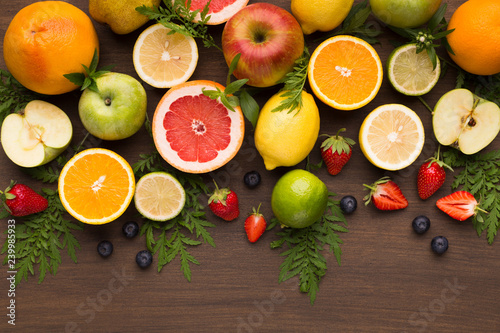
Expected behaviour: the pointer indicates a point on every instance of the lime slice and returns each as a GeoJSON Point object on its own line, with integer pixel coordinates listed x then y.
{"type": "Point", "coordinates": [410, 72]}
{"type": "Point", "coordinates": [159, 196]}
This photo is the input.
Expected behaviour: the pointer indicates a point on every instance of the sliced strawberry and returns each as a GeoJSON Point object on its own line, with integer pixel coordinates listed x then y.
{"type": "Point", "coordinates": [459, 205]}
{"type": "Point", "coordinates": [385, 195]}
{"type": "Point", "coordinates": [255, 225]}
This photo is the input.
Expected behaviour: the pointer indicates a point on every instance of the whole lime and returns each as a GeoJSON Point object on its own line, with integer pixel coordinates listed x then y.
{"type": "Point", "coordinates": [299, 199]}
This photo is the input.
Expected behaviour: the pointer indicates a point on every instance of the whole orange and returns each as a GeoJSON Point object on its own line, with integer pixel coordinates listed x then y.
{"type": "Point", "coordinates": [476, 38]}
{"type": "Point", "coordinates": [46, 40]}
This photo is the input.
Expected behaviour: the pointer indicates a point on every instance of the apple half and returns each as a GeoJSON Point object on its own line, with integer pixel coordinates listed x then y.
{"type": "Point", "coordinates": [36, 135]}
{"type": "Point", "coordinates": [465, 121]}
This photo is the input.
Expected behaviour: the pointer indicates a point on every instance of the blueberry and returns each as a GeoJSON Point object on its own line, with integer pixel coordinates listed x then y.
{"type": "Point", "coordinates": [130, 229]}
{"type": "Point", "coordinates": [144, 258]}
{"type": "Point", "coordinates": [252, 179]}
{"type": "Point", "coordinates": [439, 244]}
{"type": "Point", "coordinates": [421, 224]}
{"type": "Point", "coordinates": [348, 204]}
{"type": "Point", "coordinates": [105, 248]}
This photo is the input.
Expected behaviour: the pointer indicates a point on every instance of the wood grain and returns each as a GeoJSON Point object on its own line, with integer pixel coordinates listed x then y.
{"type": "Point", "coordinates": [389, 281]}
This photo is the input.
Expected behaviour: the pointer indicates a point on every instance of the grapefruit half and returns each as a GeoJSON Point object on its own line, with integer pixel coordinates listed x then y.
{"type": "Point", "coordinates": [194, 133]}
{"type": "Point", "coordinates": [219, 10]}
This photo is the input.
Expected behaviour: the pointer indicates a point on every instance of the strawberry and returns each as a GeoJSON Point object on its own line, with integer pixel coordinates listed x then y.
{"type": "Point", "coordinates": [21, 200]}
{"type": "Point", "coordinates": [431, 176]}
{"type": "Point", "coordinates": [459, 205]}
{"type": "Point", "coordinates": [224, 203]}
{"type": "Point", "coordinates": [255, 225]}
{"type": "Point", "coordinates": [336, 151]}
{"type": "Point", "coordinates": [386, 195]}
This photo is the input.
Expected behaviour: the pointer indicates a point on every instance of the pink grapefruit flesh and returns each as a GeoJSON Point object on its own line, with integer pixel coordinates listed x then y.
{"type": "Point", "coordinates": [195, 133]}
{"type": "Point", "coordinates": [219, 10]}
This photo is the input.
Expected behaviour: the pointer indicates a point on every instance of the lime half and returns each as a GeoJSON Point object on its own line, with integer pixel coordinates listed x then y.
{"type": "Point", "coordinates": [410, 72]}
{"type": "Point", "coordinates": [159, 196]}
{"type": "Point", "coordinates": [299, 199]}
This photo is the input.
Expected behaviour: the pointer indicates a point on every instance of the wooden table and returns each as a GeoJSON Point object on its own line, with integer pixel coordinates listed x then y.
{"type": "Point", "coordinates": [389, 281]}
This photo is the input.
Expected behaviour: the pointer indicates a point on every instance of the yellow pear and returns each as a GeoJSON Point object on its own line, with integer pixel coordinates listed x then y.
{"type": "Point", "coordinates": [120, 15]}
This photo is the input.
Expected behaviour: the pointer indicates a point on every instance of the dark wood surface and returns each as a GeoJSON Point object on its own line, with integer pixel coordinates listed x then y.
{"type": "Point", "coordinates": [389, 281]}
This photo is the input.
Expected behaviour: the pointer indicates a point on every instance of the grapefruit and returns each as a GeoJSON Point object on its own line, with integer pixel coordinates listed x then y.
{"type": "Point", "coordinates": [194, 133]}
{"type": "Point", "coordinates": [219, 10]}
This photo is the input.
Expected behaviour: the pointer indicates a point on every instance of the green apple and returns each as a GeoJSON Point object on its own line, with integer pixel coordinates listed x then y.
{"type": "Point", "coordinates": [404, 13]}
{"type": "Point", "coordinates": [37, 135]}
{"type": "Point", "coordinates": [117, 110]}
{"type": "Point", "coordinates": [465, 121]}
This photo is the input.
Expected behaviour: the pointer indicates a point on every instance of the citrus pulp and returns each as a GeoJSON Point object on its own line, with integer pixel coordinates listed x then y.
{"type": "Point", "coordinates": [412, 73]}
{"type": "Point", "coordinates": [195, 133]}
{"type": "Point", "coordinates": [159, 196]}
{"type": "Point", "coordinates": [96, 186]}
{"type": "Point", "coordinates": [163, 59]}
{"type": "Point", "coordinates": [391, 137]}
{"type": "Point", "coordinates": [345, 72]}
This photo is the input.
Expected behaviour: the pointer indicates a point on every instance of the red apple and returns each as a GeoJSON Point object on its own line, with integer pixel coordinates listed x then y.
{"type": "Point", "coordinates": [269, 40]}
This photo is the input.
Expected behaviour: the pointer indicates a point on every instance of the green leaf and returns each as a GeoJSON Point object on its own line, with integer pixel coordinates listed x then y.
{"type": "Point", "coordinates": [249, 107]}
{"type": "Point", "coordinates": [38, 240]}
{"type": "Point", "coordinates": [76, 78]}
{"type": "Point", "coordinates": [305, 246]}
{"type": "Point", "coordinates": [189, 229]}
{"type": "Point", "coordinates": [232, 67]}
{"type": "Point", "coordinates": [233, 87]}
{"type": "Point", "coordinates": [437, 18]}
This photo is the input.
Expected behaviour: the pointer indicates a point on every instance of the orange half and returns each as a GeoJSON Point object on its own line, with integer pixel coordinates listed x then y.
{"type": "Point", "coordinates": [345, 72]}
{"type": "Point", "coordinates": [96, 186]}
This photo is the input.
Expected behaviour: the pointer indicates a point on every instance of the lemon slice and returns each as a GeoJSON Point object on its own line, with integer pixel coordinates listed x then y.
{"type": "Point", "coordinates": [159, 196]}
{"type": "Point", "coordinates": [410, 72]}
{"type": "Point", "coordinates": [163, 60]}
{"type": "Point", "coordinates": [392, 137]}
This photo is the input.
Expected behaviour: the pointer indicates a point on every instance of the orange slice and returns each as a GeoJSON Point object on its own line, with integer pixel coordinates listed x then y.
{"type": "Point", "coordinates": [195, 133]}
{"type": "Point", "coordinates": [163, 59]}
{"type": "Point", "coordinates": [345, 72]}
{"type": "Point", "coordinates": [392, 136]}
{"type": "Point", "coordinates": [96, 186]}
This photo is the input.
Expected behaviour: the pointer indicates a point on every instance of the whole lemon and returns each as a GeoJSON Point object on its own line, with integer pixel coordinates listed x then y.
{"type": "Point", "coordinates": [299, 199]}
{"type": "Point", "coordinates": [46, 40]}
{"type": "Point", "coordinates": [322, 15]}
{"type": "Point", "coordinates": [285, 138]}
